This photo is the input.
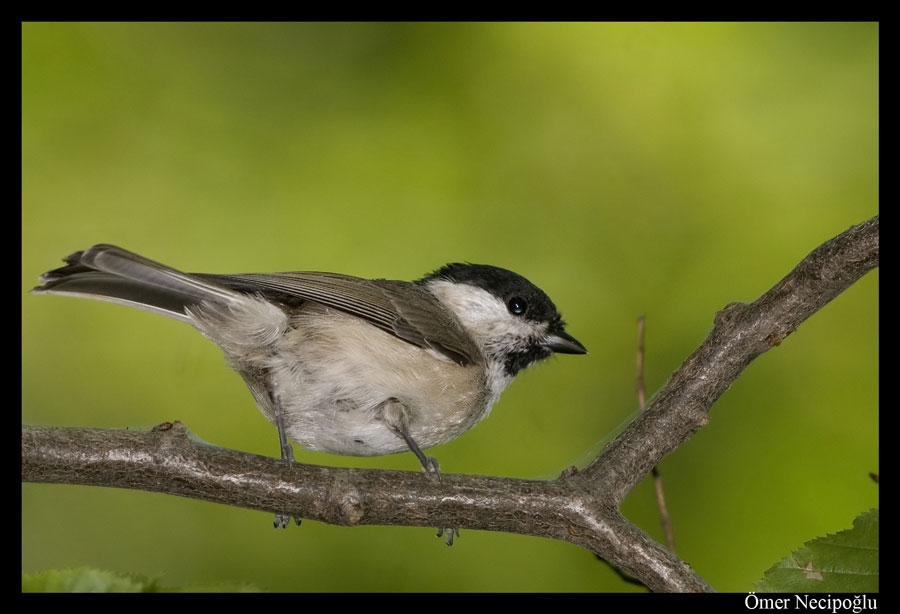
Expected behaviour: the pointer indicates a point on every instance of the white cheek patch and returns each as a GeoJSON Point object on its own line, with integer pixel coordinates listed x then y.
{"type": "Point", "coordinates": [486, 318]}
{"type": "Point", "coordinates": [477, 309]}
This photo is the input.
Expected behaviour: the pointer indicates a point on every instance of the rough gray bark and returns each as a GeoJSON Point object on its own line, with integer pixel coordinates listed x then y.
{"type": "Point", "coordinates": [578, 507]}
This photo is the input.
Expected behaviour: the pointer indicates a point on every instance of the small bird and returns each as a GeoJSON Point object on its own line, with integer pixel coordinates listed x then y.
{"type": "Point", "coordinates": [341, 364]}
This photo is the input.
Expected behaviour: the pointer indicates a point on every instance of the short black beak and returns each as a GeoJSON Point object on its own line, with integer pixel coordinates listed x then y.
{"type": "Point", "coordinates": [564, 343]}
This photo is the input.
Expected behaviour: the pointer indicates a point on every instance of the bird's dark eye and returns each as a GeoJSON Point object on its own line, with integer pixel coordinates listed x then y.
{"type": "Point", "coordinates": [517, 305]}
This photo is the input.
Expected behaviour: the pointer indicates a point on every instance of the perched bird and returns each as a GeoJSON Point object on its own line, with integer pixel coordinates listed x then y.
{"type": "Point", "coordinates": [340, 364]}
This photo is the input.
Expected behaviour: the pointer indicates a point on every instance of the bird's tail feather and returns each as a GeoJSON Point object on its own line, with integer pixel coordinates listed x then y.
{"type": "Point", "coordinates": [109, 273]}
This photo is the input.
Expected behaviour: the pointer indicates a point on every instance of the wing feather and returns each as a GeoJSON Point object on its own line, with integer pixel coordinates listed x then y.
{"type": "Point", "coordinates": [401, 308]}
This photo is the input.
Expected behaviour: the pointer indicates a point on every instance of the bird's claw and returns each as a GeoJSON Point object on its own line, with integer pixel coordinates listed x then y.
{"type": "Point", "coordinates": [451, 533]}
{"type": "Point", "coordinates": [431, 467]}
{"type": "Point", "coordinates": [283, 520]}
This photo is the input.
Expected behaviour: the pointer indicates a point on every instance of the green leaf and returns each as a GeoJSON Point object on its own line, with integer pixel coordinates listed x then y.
{"type": "Point", "coordinates": [845, 562]}
{"type": "Point", "coordinates": [87, 580]}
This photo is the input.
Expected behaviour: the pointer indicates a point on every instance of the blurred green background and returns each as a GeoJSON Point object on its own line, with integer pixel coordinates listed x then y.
{"type": "Point", "coordinates": [658, 169]}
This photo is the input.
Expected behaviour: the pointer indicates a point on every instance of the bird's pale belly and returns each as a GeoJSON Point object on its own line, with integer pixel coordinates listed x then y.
{"type": "Point", "coordinates": [333, 397]}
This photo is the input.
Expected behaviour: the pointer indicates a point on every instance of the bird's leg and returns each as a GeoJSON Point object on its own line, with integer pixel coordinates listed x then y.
{"type": "Point", "coordinates": [287, 455]}
{"type": "Point", "coordinates": [397, 419]}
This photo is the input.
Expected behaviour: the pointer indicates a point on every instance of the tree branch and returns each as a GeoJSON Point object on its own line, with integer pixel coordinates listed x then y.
{"type": "Point", "coordinates": [741, 332]}
{"type": "Point", "coordinates": [578, 507]}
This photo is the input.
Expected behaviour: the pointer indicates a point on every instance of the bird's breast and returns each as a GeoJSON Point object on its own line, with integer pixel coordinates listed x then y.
{"type": "Point", "coordinates": [333, 373]}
